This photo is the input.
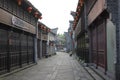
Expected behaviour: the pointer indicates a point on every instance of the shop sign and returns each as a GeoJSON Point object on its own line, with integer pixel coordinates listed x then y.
{"type": "Point", "coordinates": [18, 22]}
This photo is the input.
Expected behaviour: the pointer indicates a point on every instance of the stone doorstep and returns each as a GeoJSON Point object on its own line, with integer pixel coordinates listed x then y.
{"type": "Point", "coordinates": [84, 66]}
{"type": "Point", "coordinates": [89, 69]}
{"type": "Point", "coordinates": [17, 70]}
{"type": "Point", "coordinates": [95, 75]}
{"type": "Point", "coordinates": [99, 73]}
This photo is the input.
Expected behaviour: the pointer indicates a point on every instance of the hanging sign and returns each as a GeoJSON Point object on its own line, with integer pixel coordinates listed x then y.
{"type": "Point", "coordinates": [18, 22]}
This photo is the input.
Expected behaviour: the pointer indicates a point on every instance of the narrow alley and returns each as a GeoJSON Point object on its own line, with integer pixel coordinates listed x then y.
{"type": "Point", "coordinates": [59, 39]}
{"type": "Point", "coordinates": [58, 67]}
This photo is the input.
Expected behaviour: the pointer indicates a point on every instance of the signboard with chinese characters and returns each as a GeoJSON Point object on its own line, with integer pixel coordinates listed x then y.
{"type": "Point", "coordinates": [23, 25]}
{"type": "Point", "coordinates": [16, 21]}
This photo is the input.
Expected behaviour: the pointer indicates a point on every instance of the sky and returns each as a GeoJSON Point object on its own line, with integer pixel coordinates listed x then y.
{"type": "Point", "coordinates": [56, 13]}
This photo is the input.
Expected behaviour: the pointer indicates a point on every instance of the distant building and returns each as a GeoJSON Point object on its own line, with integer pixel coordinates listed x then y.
{"type": "Point", "coordinates": [68, 41]}
{"type": "Point", "coordinates": [60, 43]}
{"type": "Point", "coordinates": [42, 40]}
{"type": "Point", "coordinates": [52, 41]}
{"type": "Point", "coordinates": [69, 37]}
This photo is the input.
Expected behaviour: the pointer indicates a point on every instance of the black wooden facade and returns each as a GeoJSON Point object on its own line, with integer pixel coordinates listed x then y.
{"type": "Point", "coordinates": [81, 35]}
{"type": "Point", "coordinates": [17, 35]}
{"type": "Point", "coordinates": [16, 49]}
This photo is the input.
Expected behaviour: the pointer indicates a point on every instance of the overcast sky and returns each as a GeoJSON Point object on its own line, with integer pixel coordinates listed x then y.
{"type": "Point", "coordinates": [56, 13]}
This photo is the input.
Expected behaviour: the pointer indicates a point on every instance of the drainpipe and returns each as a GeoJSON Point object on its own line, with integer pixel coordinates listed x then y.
{"type": "Point", "coordinates": [35, 45]}
{"type": "Point", "coordinates": [41, 45]}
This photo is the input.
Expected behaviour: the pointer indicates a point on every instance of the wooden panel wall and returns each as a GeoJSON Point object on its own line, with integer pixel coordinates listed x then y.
{"type": "Point", "coordinates": [97, 9]}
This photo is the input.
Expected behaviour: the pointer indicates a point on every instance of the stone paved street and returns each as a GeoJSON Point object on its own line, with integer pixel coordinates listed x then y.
{"type": "Point", "coordinates": [58, 67]}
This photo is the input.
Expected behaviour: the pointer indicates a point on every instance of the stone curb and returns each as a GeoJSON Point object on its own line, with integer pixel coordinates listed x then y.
{"type": "Point", "coordinates": [17, 70]}
{"type": "Point", "coordinates": [85, 65]}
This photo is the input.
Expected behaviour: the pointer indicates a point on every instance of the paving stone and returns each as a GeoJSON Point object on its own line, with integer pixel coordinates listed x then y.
{"type": "Point", "coordinates": [58, 67]}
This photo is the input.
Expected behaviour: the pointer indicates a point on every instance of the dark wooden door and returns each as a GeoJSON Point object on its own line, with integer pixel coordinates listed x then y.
{"type": "Point", "coordinates": [99, 43]}
{"type": "Point", "coordinates": [30, 49]}
{"type": "Point", "coordinates": [14, 49]}
{"type": "Point", "coordinates": [24, 53]}
{"type": "Point", "coordinates": [3, 50]}
{"type": "Point", "coordinates": [94, 45]}
{"type": "Point", "coordinates": [44, 48]}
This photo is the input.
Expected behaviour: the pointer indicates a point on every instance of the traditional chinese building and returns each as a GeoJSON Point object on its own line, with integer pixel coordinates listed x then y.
{"type": "Point", "coordinates": [52, 42]}
{"type": "Point", "coordinates": [81, 36]}
{"type": "Point", "coordinates": [18, 22]}
{"type": "Point", "coordinates": [95, 30]}
{"type": "Point", "coordinates": [68, 41]}
{"type": "Point", "coordinates": [42, 41]}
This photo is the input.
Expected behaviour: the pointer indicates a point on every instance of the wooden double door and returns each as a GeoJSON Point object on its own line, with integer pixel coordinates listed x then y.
{"type": "Point", "coordinates": [44, 48]}
{"type": "Point", "coordinates": [98, 43]}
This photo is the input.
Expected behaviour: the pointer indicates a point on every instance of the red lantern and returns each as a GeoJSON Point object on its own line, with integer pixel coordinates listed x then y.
{"type": "Point", "coordinates": [77, 13]}
{"type": "Point", "coordinates": [29, 9]}
{"type": "Point", "coordinates": [36, 14]}
{"type": "Point", "coordinates": [39, 26]}
{"type": "Point", "coordinates": [48, 30]}
{"type": "Point", "coordinates": [76, 18]}
{"type": "Point", "coordinates": [79, 9]}
{"type": "Point", "coordinates": [19, 2]}
{"type": "Point", "coordinates": [81, 2]}
{"type": "Point", "coordinates": [44, 28]}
